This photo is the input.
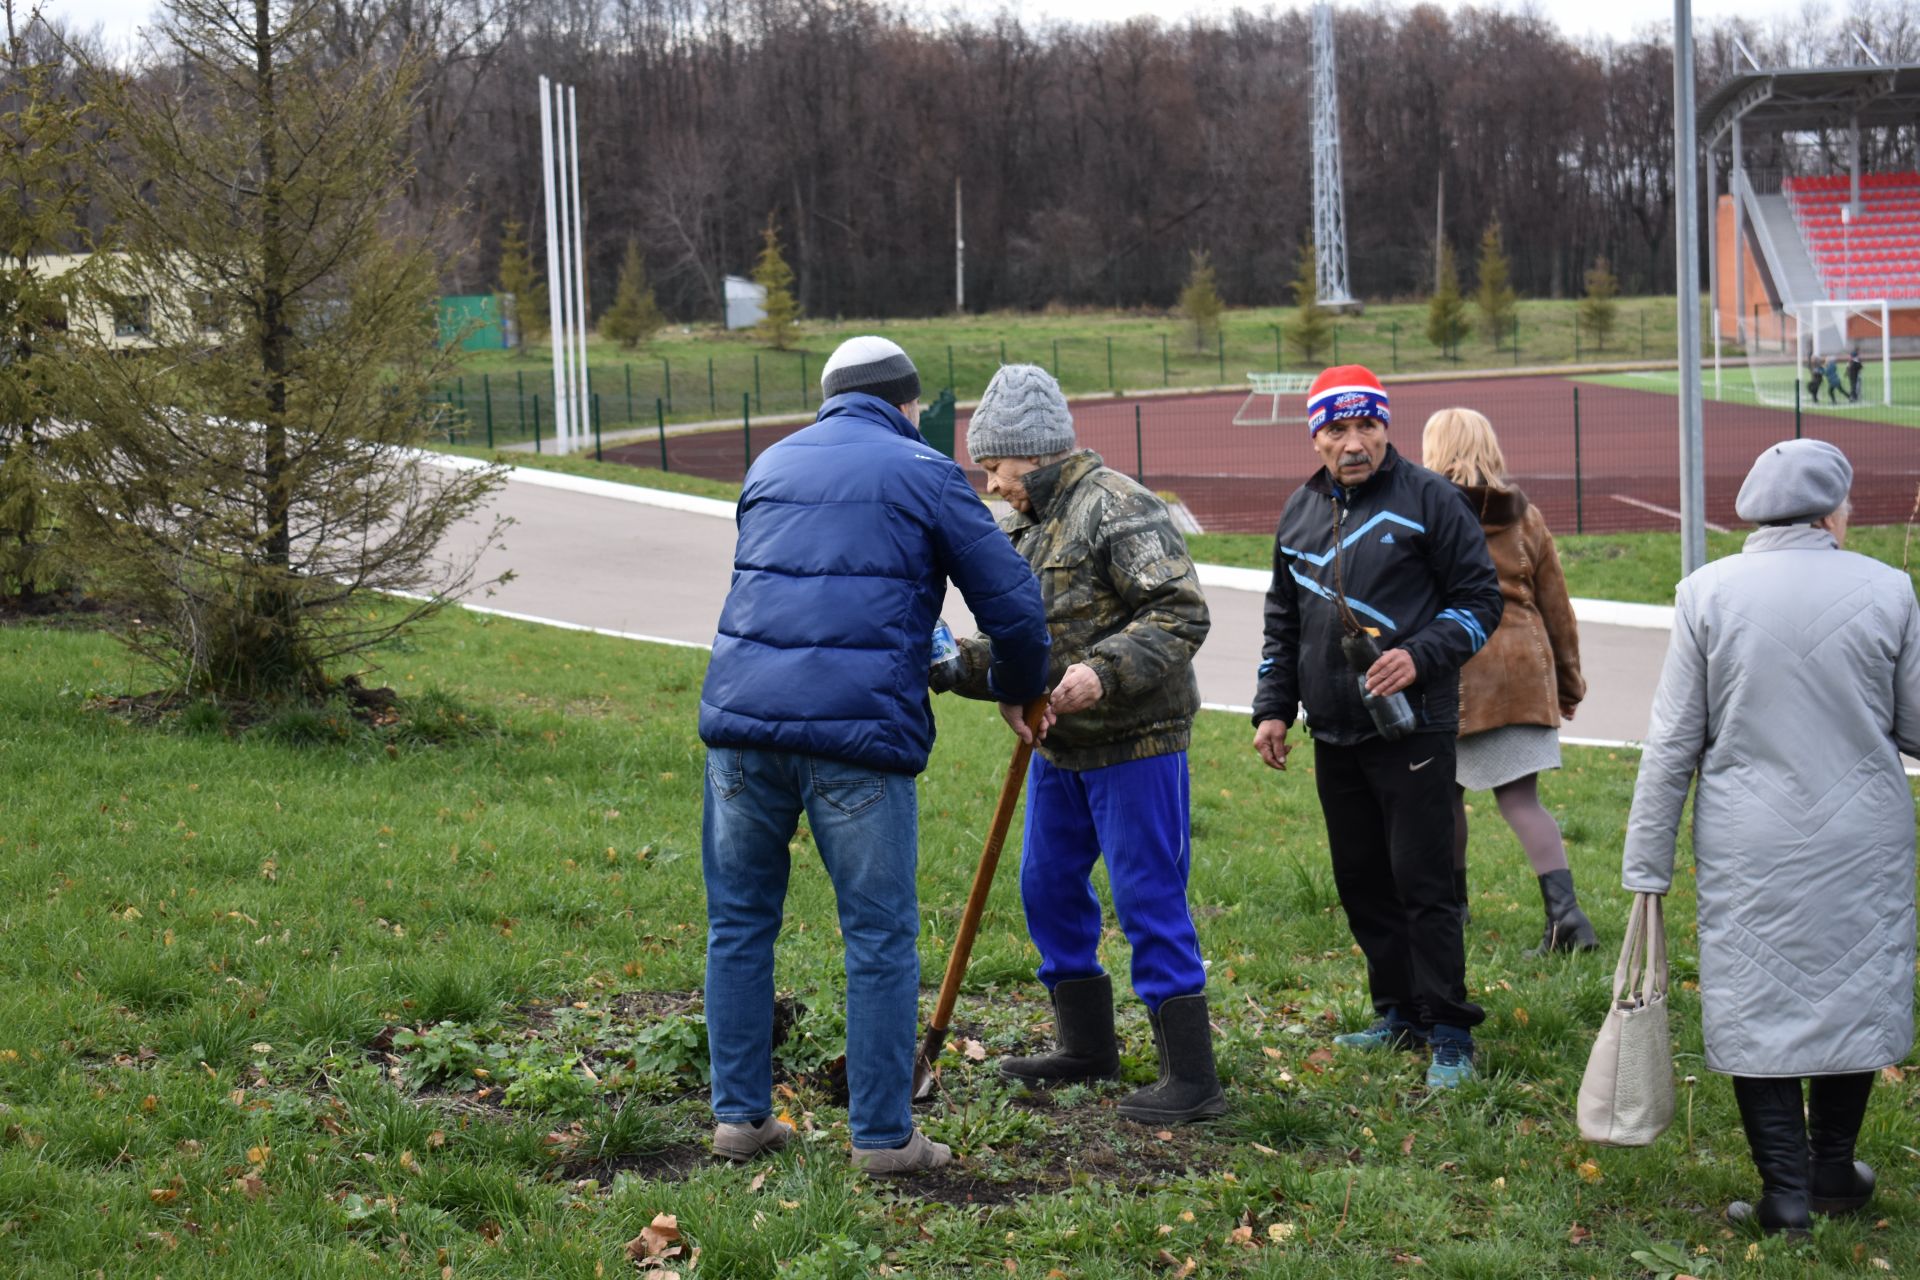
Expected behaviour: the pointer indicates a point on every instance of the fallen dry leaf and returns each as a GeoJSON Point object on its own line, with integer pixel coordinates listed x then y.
{"type": "Point", "coordinates": [1264, 1149]}
{"type": "Point", "coordinates": [1280, 1232]}
{"type": "Point", "coordinates": [974, 1050]}
{"type": "Point", "coordinates": [759, 1181]}
{"type": "Point", "coordinates": [1241, 1235]}
{"type": "Point", "coordinates": [1165, 1135]}
{"type": "Point", "coordinates": [259, 1155]}
{"type": "Point", "coordinates": [1578, 1234]}
{"type": "Point", "coordinates": [1406, 1145]}
{"type": "Point", "coordinates": [163, 1195]}
{"type": "Point", "coordinates": [1271, 1052]}
{"type": "Point", "coordinates": [1892, 1075]}
{"type": "Point", "coordinates": [1318, 1060]}
{"type": "Point", "coordinates": [1589, 1171]}
{"type": "Point", "coordinates": [657, 1241]}
{"type": "Point", "coordinates": [250, 1185]}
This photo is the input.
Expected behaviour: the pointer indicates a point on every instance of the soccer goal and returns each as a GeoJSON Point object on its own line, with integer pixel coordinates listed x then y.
{"type": "Point", "coordinates": [1826, 330]}
{"type": "Point", "coordinates": [1276, 399]}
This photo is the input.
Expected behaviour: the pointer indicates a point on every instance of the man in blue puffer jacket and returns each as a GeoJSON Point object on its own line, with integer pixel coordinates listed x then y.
{"type": "Point", "coordinates": [816, 701]}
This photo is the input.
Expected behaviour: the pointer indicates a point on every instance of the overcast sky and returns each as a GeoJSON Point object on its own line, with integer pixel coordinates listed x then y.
{"type": "Point", "coordinates": [119, 19]}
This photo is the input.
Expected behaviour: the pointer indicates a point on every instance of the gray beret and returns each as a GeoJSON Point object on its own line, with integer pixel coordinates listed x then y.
{"type": "Point", "coordinates": [1795, 480]}
{"type": "Point", "coordinates": [1021, 415]}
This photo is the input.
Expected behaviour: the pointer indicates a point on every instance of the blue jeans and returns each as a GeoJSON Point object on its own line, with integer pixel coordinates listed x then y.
{"type": "Point", "coordinates": [1136, 815]}
{"type": "Point", "coordinates": [866, 825]}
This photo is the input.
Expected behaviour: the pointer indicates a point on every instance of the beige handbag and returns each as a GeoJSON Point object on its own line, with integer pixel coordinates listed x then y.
{"type": "Point", "coordinates": [1626, 1096]}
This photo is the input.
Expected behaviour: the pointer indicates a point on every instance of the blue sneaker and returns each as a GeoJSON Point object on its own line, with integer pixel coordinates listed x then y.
{"type": "Point", "coordinates": [1385, 1033]}
{"type": "Point", "coordinates": [1452, 1064]}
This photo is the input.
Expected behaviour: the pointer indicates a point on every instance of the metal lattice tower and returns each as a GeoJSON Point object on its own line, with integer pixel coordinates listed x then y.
{"type": "Point", "coordinates": [1329, 196]}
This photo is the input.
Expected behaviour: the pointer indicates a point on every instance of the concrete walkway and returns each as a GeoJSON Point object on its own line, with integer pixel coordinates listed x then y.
{"type": "Point", "coordinates": [655, 566]}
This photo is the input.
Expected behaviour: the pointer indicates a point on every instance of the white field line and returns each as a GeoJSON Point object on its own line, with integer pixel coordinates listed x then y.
{"type": "Point", "coordinates": [1668, 512]}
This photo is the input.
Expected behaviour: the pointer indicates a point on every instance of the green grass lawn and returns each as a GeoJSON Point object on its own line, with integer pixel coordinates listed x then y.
{"type": "Point", "coordinates": [702, 373]}
{"type": "Point", "coordinates": [1737, 385]}
{"type": "Point", "coordinates": [321, 1000]}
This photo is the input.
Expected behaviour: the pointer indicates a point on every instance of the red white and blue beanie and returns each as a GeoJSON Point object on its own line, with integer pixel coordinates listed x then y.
{"type": "Point", "coordinates": [1345, 391]}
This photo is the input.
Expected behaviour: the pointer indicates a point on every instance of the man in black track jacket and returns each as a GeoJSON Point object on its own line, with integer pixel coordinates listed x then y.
{"type": "Point", "coordinates": [1374, 544]}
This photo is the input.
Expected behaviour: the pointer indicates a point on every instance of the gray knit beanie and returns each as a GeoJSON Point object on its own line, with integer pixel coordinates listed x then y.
{"type": "Point", "coordinates": [873, 365]}
{"type": "Point", "coordinates": [1021, 415]}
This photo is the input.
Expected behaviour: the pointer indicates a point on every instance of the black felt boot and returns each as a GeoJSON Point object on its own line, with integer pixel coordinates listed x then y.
{"type": "Point", "coordinates": [1835, 1107]}
{"type": "Point", "coordinates": [1187, 1088]}
{"type": "Point", "coordinates": [1568, 928]}
{"type": "Point", "coordinates": [1771, 1113]}
{"type": "Point", "coordinates": [1083, 1028]}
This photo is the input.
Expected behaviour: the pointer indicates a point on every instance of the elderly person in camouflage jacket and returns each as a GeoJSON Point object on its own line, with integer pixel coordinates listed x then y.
{"type": "Point", "coordinates": [1126, 614]}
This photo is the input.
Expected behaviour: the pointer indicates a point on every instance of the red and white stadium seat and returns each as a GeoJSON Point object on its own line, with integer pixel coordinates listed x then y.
{"type": "Point", "coordinates": [1877, 255]}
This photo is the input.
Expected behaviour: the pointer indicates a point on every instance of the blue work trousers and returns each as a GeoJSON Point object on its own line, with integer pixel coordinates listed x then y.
{"type": "Point", "coordinates": [1135, 814]}
{"type": "Point", "coordinates": [866, 824]}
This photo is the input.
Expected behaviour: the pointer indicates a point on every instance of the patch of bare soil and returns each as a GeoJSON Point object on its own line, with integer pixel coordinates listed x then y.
{"type": "Point", "coordinates": [375, 708]}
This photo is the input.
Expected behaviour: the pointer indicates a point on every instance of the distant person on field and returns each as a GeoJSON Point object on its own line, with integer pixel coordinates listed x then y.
{"type": "Point", "coordinates": [1791, 686]}
{"type": "Point", "coordinates": [816, 702]}
{"type": "Point", "coordinates": [1126, 613]}
{"type": "Point", "coordinates": [1833, 380]}
{"type": "Point", "coordinates": [1377, 553]}
{"type": "Point", "coordinates": [1816, 375]}
{"type": "Point", "coordinates": [1854, 366]}
{"type": "Point", "coordinates": [1516, 690]}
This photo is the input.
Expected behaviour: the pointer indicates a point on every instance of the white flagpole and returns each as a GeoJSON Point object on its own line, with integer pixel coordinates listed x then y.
{"type": "Point", "coordinates": [583, 384]}
{"type": "Point", "coordinates": [563, 283]}
{"type": "Point", "coordinates": [556, 320]}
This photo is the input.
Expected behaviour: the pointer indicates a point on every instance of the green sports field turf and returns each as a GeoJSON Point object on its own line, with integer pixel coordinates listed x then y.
{"type": "Point", "coordinates": [1737, 385]}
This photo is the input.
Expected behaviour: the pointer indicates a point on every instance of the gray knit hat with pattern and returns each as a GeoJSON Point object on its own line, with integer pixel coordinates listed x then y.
{"type": "Point", "coordinates": [1021, 415]}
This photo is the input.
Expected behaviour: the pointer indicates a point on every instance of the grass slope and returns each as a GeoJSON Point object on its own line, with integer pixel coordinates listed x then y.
{"type": "Point", "coordinates": [211, 944]}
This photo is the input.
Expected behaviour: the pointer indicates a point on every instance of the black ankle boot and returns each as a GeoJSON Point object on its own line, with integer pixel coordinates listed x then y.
{"type": "Point", "coordinates": [1187, 1088]}
{"type": "Point", "coordinates": [1835, 1107]}
{"type": "Point", "coordinates": [1771, 1113]}
{"type": "Point", "coordinates": [1083, 1028]}
{"type": "Point", "coordinates": [1568, 928]}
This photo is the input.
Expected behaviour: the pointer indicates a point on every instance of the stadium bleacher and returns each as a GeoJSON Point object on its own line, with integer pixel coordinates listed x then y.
{"type": "Point", "coordinates": [1877, 254]}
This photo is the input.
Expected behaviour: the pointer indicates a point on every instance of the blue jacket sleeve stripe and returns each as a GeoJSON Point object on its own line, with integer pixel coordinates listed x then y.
{"type": "Point", "coordinates": [1358, 606]}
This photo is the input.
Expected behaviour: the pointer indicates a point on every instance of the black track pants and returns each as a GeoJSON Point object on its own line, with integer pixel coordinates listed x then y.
{"type": "Point", "coordinates": [1389, 814]}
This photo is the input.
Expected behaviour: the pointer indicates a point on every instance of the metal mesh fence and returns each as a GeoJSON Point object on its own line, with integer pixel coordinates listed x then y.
{"type": "Point", "coordinates": [1597, 454]}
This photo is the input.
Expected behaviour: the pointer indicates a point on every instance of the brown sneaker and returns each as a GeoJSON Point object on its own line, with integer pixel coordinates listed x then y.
{"type": "Point", "coordinates": [745, 1141]}
{"type": "Point", "coordinates": [918, 1155]}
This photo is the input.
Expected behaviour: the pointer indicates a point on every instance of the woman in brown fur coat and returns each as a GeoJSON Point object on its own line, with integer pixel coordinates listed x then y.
{"type": "Point", "coordinates": [1516, 690]}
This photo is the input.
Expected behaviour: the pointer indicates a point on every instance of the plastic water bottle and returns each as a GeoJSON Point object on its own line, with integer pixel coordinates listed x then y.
{"type": "Point", "coordinates": [1393, 714]}
{"type": "Point", "coordinates": [945, 670]}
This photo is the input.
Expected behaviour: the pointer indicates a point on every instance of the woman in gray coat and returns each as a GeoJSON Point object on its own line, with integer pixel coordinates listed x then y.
{"type": "Point", "coordinates": [1791, 686]}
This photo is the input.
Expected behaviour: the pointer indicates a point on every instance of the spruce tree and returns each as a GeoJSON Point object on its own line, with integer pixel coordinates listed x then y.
{"type": "Point", "coordinates": [1597, 308]}
{"type": "Point", "coordinates": [1200, 299]}
{"type": "Point", "coordinates": [1446, 310]}
{"type": "Point", "coordinates": [1494, 298]}
{"type": "Point", "coordinates": [43, 154]}
{"type": "Point", "coordinates": [1312, 327]}
{"type": "Point", "coordinates": [780, 320]}
{"type": "Point", "coordinates": [635, 315]}
{"type": "Point", "coordinates": [253, 477]}
{"type": "Point", "coordinates": [519, 282]}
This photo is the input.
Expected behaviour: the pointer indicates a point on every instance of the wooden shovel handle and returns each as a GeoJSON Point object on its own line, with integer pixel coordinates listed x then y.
{"type": "Point", "coordinates": [982, 884]}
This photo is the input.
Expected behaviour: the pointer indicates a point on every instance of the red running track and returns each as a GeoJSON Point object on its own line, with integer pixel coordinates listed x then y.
{"type": "Point", "coordinates": [1626, 477]}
